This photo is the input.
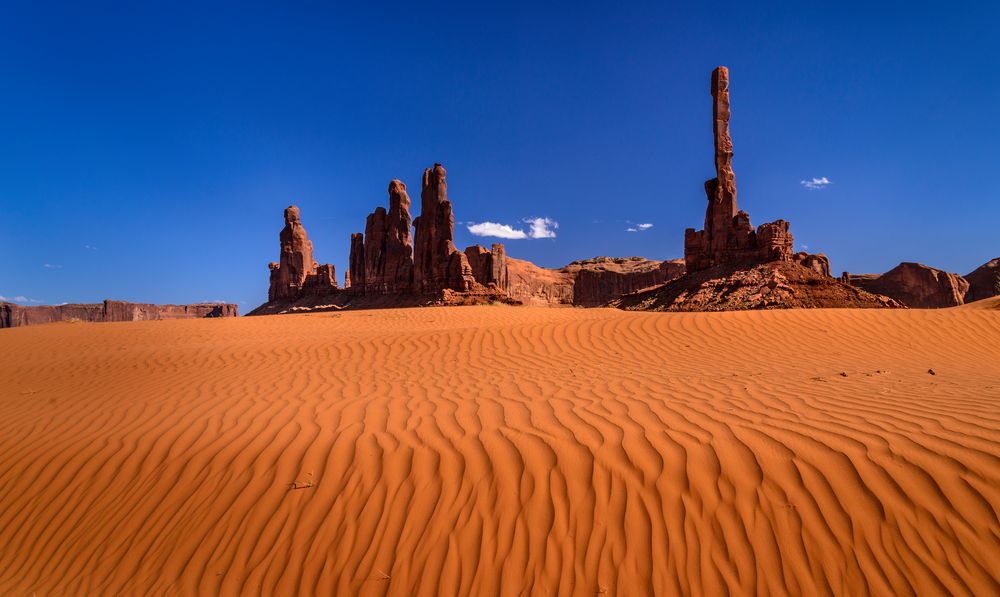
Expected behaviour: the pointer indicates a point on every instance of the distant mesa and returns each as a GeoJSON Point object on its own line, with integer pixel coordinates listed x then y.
{"type": "Point", "coordinates": [12, 315]}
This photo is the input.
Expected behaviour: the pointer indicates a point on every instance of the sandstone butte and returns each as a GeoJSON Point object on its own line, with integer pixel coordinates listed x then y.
{"type": "Point", "coordinates": [12, 315]}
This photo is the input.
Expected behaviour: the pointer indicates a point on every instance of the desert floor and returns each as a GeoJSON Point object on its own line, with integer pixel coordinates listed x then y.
{"type": "Point", "coordinates": [504, 451]}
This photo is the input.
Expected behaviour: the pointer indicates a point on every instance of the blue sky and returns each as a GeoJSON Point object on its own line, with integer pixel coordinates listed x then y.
{"type": "Point", "coordinates": [147, 152]}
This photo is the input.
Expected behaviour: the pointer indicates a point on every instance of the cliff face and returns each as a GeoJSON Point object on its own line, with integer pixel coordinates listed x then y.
{"type": "Point", "coordinates": [914, 285]}
{"type": "Point", "coordinates": [12, 315]}
{"type": "Point", "coordinates": [588, 283]}
{"type": "Point", "coordinates": [604, 279]}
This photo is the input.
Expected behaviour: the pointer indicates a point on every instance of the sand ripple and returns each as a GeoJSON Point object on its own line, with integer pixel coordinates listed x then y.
{"type": "Point", "coordinates": [504, 451]}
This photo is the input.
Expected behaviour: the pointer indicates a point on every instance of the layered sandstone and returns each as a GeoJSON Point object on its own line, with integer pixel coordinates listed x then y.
{"type": "Point", "coordinates": [12, 315]}
{"type": "Point", "coordinates": [914, 285]}
{"type": "Point", "coordinates": [728, 236]}
{"type": "Point", "coordinates": [984, 281]}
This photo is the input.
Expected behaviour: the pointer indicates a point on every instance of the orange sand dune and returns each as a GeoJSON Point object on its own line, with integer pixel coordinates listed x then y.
{"type": "Point", "coordinates": [504, 451]}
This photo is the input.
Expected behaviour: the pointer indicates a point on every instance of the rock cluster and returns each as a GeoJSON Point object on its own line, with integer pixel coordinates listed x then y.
{"type": "Point", "coordinates": [12, 315]}
{"type": "Point", "coordinates": [388, 267]}
{"type": "Point", "coordinates": [914, 285]}
{"type": "Point", "coordinates": [728, 236]}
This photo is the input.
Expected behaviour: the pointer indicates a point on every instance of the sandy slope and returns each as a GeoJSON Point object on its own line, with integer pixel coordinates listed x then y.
{"type": "Point", "coordinates": [504, 451]}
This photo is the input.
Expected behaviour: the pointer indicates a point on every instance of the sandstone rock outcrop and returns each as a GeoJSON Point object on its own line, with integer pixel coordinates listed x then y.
{"type": "Point", "coordinates": [772, 285]}
{"type": "Point", "coordinates": [489, 267]}
{"type": "Point", "coordinates": [12, 315]}
{"type": "Point", "coordinates": [914, 285]}
{"type": "Point", "coordinates": [983, 281]}
{"type": "Point", "coordinates": [728, 236]}
{"type": "Point", "coordinates": [818, 262]}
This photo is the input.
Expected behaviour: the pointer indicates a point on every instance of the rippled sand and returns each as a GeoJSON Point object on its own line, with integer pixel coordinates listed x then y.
{"type": "Point", "coordinates": [504, 451]}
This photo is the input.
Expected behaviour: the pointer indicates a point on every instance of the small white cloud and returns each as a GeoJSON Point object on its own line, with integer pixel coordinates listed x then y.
{"type": "Point", "coordinates": [644, 226]}
{"type": "Point", "coordinates": [805, 246]}
{"type": "Point", "coordinates": [816, 183]}
{"type": "Point", "coordinates": [638, 227]}
{"type": "Point", "coordinates": [90, 247]}
{"type": "Point", "coordinates": [51, 266]}
{"type": "Point", "coordinates": [537, 228]}
{"type": "Point", "coordinates": [542, 227]}
{"type": "Point", "coordinates": [497, 230]}
{"type": "Point", "coordinates": [631, 230]}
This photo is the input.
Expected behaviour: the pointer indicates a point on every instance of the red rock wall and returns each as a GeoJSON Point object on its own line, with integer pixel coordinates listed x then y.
{"type": "Point", "coordinates": [12, 315]}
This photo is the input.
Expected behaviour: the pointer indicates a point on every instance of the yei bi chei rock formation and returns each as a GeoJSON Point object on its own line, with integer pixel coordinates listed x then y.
{"type": "Point", "coordinates": [387, 266]}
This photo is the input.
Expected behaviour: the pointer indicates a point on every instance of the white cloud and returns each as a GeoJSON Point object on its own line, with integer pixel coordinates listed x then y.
{"type": "Point", "coordinates": [51, 266]}
{"type": "Point", "coordinates": [537, 228]}
{"type": "Point", "coordinates": [542, 227]}
{"type": "Point", "coordinates": [638, 227]}
{"type": "Point", "coordinates": [631, 230]}
{"type": "Point", "coordinates": [18, 299]}
{"type": "Point", "coordinates": [497, 230]}
{"type": "Point", "coordinates": [90, 247]}
{"type": "Point", "coordinates": [805, 246]}
{"type": "Point", "coordinates": [816, 183]}
{"type": "Point", "coordinates": [644, 226]}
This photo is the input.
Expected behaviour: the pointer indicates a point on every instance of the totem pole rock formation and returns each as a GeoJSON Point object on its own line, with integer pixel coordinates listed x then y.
{"type": "Point", "coordinates": [297, 273]}
{"type": "Point", "coordinates": [728, 237]}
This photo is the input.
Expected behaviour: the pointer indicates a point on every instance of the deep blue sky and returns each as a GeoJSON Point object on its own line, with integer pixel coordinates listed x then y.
{"type": "Point", "coordinates": [147, 149]}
